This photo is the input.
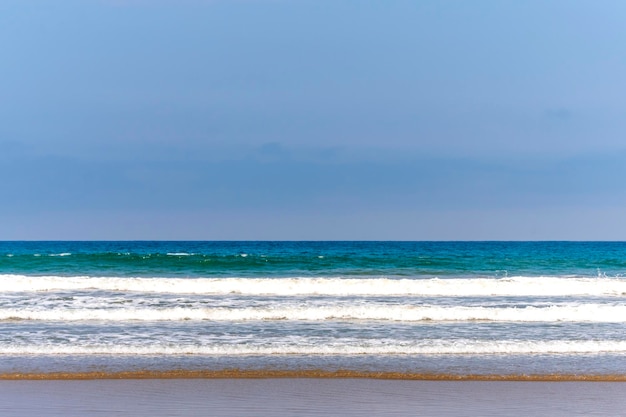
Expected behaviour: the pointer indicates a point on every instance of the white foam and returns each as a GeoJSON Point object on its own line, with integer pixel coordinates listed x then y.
{"type": "Point", "coordinates": [515, 286]}
{"type": "Point", "coordinates": [389, 348]}
{"type": "Point", "coordinates": [595, 313]}
{"type": "Point", "coordinates": [179, 254]}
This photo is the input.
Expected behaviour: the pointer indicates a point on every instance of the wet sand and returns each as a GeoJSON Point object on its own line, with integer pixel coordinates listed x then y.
{"type": "Point", "coordinates": [236, 373]}
{"type": "Point", "coordinates": [307, 397]}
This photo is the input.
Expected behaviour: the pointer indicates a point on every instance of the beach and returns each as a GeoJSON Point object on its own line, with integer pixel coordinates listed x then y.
{"type": "Point", "coordinates": [312, 208]}
{"type": "Point", "coordinates": [311, 328]}
{"type": "Point", "coordinates": [307, 397]}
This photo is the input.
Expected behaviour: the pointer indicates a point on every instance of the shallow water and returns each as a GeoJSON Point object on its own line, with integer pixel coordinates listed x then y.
{"type": "Point", "coordinates": [308, 397]}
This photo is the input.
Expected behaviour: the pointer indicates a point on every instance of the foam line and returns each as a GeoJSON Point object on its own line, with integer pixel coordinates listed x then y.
{"type": "Point", "coordinates": [391, 347]}
{"type": "Point", "coordinates": [515, 286]}
{"type": "Point", "coordinates": [597, 313]}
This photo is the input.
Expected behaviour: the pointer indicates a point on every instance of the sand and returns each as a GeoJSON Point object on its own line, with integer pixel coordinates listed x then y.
{"type": "Point", "coordinates": [236, 373]}
{"type": "Point", "coordinates": [278, 397]}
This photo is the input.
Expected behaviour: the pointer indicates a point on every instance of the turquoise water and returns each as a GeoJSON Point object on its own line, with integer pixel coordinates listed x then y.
{"type": "Point", "coordinates": [447, 307]}
{"type": "Point", "coordinates": [279, 259]}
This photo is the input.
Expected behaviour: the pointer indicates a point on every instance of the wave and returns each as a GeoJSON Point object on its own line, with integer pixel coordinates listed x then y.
{"type": "Point", "coordinates": [391, 347]}
{"type": "Point", "coordinates": [595, 313]}
{"type": "Point", "coordinates": [453, 287]}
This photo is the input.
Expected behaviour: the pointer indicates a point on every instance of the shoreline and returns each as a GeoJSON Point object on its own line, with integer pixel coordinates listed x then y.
{"type": "Point", "coordinates": [286, 397]}
{"type": "Point", "coordinates": [305, 374]}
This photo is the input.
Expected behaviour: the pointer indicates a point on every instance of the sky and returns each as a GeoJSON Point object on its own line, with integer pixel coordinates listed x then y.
{"type": "Point", "coordinates": [312, 120]}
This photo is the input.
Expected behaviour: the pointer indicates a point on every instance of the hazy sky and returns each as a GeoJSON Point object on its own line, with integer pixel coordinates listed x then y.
{"type": "Point", "coordinates": [294, 119]}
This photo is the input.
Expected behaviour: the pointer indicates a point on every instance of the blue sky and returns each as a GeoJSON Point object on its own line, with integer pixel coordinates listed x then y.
{"type": "Point", "coordinates": [294, 119]}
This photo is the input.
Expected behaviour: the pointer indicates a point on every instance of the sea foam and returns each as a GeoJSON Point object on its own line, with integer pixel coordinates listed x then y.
{"type": "Point", "coordinates": [345, 348]}
{"type": "Point", "coordinates": [592, 313]}
{"type": "Point", "coordinates": [332, 286]}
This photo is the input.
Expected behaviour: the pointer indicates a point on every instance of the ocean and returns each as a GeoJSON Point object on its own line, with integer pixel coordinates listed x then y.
{"type": "Point", "coordinates": [450, 309]}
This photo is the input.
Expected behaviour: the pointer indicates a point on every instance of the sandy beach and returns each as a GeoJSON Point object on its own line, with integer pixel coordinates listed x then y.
{"type": "Point", "coordinates": [234, 329]}
{"type": "Point", "coordinates": [307, 397]}
{"type": "Point", "coordinates": [235, 373]}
